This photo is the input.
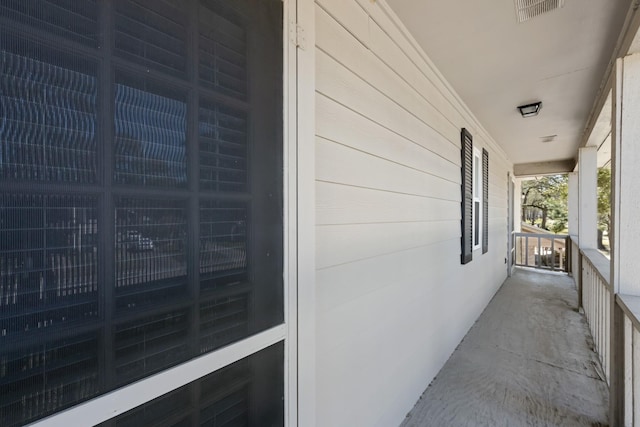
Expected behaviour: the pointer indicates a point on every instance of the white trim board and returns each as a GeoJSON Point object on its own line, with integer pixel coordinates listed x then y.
{"type": "Point", "coordinates": [290, 211]}
{"type": "Point", "coordinates": [306, 214]}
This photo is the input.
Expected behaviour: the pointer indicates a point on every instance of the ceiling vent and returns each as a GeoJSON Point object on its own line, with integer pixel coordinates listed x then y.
{"type": "Point", "coordinates": [527, 9]}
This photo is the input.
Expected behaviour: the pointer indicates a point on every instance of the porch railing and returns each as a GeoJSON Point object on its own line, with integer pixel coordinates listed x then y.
{"type": "Point", "coordinates": [545, 251]}
{"type": "Point", "coordinates": [616, 335]}
{"type": "Point", "coordinates": [629, 347]}
{"type": "Point", "coordinates": [596, 295]}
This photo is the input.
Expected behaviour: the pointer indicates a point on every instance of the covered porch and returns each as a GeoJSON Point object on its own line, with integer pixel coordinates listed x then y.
{"type": "Point", "coordinates": [551, 348]}
{"type": "Point", "coordinates": [325, 218]}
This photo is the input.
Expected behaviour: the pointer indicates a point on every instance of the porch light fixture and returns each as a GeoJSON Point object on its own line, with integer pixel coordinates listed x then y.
{"type": "Point", "coordinates": [530, 110]}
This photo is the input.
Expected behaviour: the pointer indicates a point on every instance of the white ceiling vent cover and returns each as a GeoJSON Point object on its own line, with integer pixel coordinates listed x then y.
{"type": "Point", "coordinates": [527, 9]}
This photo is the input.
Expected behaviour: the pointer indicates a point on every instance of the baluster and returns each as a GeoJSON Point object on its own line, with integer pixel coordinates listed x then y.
{"type": "Point", "coordinates": [635, 354]}
{"type": "Point", "coordinates": [628, 371]}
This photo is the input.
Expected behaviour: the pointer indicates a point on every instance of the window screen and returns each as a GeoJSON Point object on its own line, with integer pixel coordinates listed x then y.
{"type": "Point", "coordinates": [140, 198]}
{"type": "Point", "coordinates": [150, 133]}
{"type": "Point", "coordinates": [150, 252]}
{"type": "Point", "coordinates": [222, 49]}
{"type": "Point", "coordinates": [152, 33]}
{"type": "Point", "coordinates": [223, 151]}
{"type": "Point", "coordinates": [48, 113]}
{"type": "Point", "coordinates": [69, 20]}
{"type": "Point", "coordinates": [249, 392]}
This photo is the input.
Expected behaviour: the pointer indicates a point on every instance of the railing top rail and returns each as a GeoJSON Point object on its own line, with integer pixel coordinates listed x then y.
{"type": "Point", "coordinates": [543, 235]}
{"type": "Point", "coordinates": [600, 264]}
{"type": "Point", "coordinates": [631, 306]}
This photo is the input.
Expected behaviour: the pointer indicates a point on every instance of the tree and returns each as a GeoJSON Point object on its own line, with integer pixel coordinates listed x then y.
{"type": "Point", "coordinates": [545, 199]}
{"type": "Point", "coordinates": [604, 201]}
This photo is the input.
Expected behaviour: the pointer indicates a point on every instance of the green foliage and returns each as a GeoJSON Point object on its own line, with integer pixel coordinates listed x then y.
{"type": "Point", "coordinates": [544, 199]}
{"type": "Point", "coordinates": [604, 199]}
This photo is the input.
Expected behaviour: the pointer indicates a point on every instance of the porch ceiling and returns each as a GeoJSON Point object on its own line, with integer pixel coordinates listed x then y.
{"type": "Point", "coordinates": [496, 64]}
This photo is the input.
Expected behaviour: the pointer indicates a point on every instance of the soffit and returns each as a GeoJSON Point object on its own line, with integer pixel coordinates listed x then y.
{"type": "Point", "coordinates": [496, 64]}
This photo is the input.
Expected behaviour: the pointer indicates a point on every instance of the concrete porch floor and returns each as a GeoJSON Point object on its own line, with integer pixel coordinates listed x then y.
{"type": "Point", "coordinates": [528, 361]}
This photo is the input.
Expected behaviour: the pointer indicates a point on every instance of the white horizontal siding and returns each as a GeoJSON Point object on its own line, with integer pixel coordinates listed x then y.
{"type": "Point", "coordinates": [343, 204]}
{"type": "Point", "coordinates": [337, 163]}
{"type": "Point", "coordinates": [336, 122]}
{"type": "Point", "coordinates": [337, 82]}
{"type": "Point", "coordinates": [393, 300]}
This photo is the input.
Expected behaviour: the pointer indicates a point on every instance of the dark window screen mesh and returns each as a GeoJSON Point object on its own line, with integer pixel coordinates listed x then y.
{"type": "Point", "coordinates": [48, 262]}
{"type": "Point", "coordinates": [151, 262]}
{"type": "Point", "coordinates": [223, 271]}
{"type": "Point", "coordinates": [40, 378]}
{"type": "Point", "coordinates": [223, 148]}
{"type": "Point", "coordinates": [47, 114]}
{"type": "Point", "coordinates": [223, 243]}
{"type": "Point", "coordinates": [223, 320]}
{"type": "Point", "coordinates": [140, 202]}
{"type": "Point", "coordinates": [152, 33]}
{"type": "Point", "coordinates": [222, 49]}
{"type": "Point", "coordinates": [247, 393]}
{"type": "Point", "coordinates": [150, 127]}
{"type": "Point", "coordinates": [69, 19]}
{"type": "Point", "coordinates": [172, 409]}
{"type": "Point", "coordinates": [148, 344]}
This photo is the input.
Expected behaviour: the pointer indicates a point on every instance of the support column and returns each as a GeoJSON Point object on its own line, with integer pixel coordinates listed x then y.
{"type": "Point", "coordinates": [573, 205]}
{"type": "Point", "coordinates": [517, 205]}
{"type": "Point", "coordinates": [625, 206]}
{"type": "Point", "coordinates": [625, 171]}
{"type": "Point", "coordinates": [588, 197]}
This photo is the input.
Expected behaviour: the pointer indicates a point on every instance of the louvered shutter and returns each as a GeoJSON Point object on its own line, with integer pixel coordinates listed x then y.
{"type": "Point", "coordinates": [485, 201]}
{"type": "Point", "coordinates": [466, 239]}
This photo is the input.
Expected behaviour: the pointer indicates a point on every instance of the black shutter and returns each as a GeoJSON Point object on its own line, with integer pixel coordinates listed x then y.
{"type": "Point", "coordinates": [466, 240]}
{"type": "Point", "coordinates": [485, 201]}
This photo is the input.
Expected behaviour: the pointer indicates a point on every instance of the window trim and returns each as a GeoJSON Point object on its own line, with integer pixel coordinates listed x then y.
{"type": "Point", "coordinates": [477, 214]}
{"type": "Point", "coordinates": [474, 206]}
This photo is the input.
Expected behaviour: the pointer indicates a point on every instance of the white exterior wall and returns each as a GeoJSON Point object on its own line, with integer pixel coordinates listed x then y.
{"type": "Point", "coordinates": [392, 299]}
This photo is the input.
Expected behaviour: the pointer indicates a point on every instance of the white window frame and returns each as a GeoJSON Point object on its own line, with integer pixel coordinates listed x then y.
{"type": "Point", "coordinates": [476, 211]}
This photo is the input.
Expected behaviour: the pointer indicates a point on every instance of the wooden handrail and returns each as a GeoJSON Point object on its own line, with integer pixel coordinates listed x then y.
{"type": "Point", "coordinates": [543, 235]}
{"type": "Point", "coordinates": [630, 305]}
{"type": "Point", "coordinates": [600, 264]}
{"type": "Point", "coordinates": [596, 298]}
